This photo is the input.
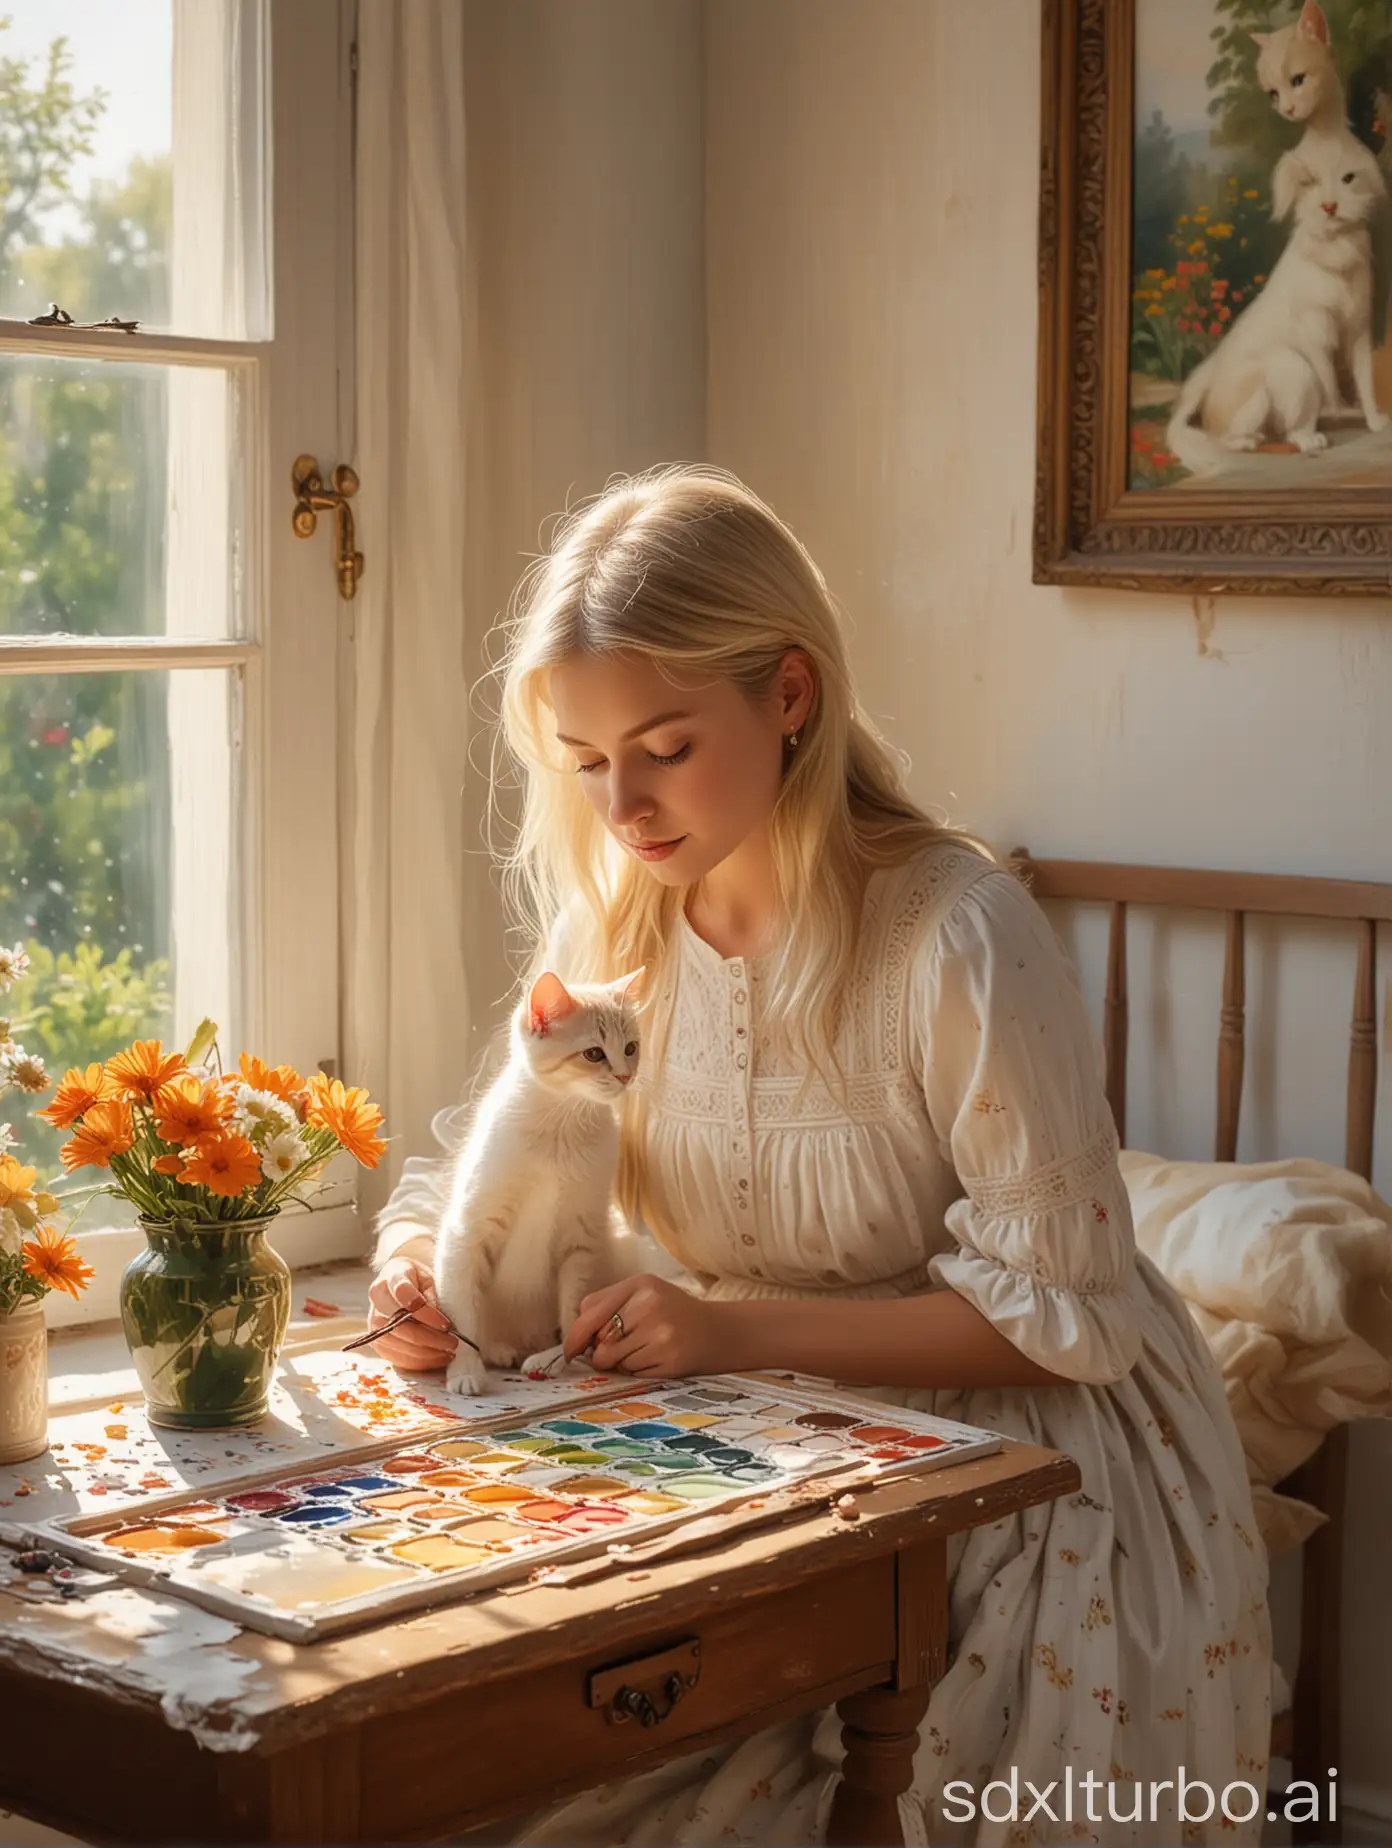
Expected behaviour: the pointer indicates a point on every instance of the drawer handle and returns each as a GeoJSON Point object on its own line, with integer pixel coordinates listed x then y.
{"type": "Point", "coordinates": [648, 1688]}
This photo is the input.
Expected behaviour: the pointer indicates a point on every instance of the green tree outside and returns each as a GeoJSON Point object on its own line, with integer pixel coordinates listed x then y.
{"type": "Point", "coordinates": [84, 772]}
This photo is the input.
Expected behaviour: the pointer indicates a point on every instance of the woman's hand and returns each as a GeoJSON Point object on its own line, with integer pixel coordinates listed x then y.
{"type": "Point", "coordinates": [667, 1333]}
{"type": "Point", "coordinates": [422, 1345]}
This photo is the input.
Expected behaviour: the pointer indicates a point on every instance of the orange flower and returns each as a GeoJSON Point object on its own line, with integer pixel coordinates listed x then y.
{"type": "Point", "coordinates": [76, 1095]}
{"type": "Point", "coordinates": [167, 1164]}
{"type": "Point", "coordinates": [224, 1164]}
{"type": "Point", "coordinates": [16, 1182]}
{"type": "Point", "coordinates": [282, 1081]}
{"type": "Point", "coordinates": [105, 1130]}
{"type": "Point", "coordinates": [52, 1258]}
{"type": "Point", "coordinates": [142, 1069]}
{"type": "Point", "coordinates": [348, 1114]}
{"type": "Point", "coordinates": [188, 1109]}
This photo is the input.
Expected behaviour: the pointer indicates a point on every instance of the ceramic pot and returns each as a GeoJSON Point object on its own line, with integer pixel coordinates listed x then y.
{"type": "Point", "coordinates": [205, 1307]}
{"type": "Point", "coordinates": [23, 1383]}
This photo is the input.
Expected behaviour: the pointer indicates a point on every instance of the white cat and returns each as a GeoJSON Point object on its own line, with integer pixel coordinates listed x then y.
{"type": "Point", "coordinates": [1295, 68]}
{"type": "Point", "coordinates": [530, 1227]}
{"type": "Point", "coordinates": [1276, 368]}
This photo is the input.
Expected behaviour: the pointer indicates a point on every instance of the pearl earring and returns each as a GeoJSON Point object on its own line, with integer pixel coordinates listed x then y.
{"type": "Point", "coordinates": [793, 740]}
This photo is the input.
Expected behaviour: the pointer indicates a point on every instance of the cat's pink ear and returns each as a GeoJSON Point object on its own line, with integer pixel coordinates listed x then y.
{"type": "Point", "coordinates": [632, 987]}
{"type": "Point", "coordinates": [549, 1001]}
{"type": "Point", "coordinates": [1312, 22]}
{"type": "Point", "coordinates": [1259, 39]}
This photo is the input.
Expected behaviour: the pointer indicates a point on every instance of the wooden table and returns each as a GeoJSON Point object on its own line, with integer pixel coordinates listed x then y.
{"type": "Point", "coordinates": [427, 1727]}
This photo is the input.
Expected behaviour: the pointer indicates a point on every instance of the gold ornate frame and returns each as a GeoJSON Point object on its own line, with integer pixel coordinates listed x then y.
{"type": "Point", "coordinates": [1089, 527]}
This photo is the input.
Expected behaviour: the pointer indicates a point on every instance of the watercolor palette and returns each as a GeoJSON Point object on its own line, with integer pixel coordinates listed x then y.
{"type": "Point", "coordinates": [306, 1553]}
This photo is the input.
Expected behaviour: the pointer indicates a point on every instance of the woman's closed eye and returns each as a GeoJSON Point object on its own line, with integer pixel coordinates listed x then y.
{"type": "Point", "coordinates": [675, 758]}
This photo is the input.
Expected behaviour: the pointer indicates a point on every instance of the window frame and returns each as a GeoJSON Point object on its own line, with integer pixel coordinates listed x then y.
{"type": "Point", "coordinates": [294, 396]}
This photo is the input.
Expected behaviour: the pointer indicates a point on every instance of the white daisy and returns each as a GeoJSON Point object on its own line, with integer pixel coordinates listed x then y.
{"type": "Point", "coordinates": [7, 1138]}
{"type": "Point", "coordinates": [13, 965]}
{"type": "Point", "coordinates": [24, 1070]}
{"type": "Point", "coordinates": [282, 1156]}
{"type": "Point", "coordinates": [259, 1116]}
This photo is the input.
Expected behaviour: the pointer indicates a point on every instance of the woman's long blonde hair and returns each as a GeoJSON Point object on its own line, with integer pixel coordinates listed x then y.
{"type": "Point", "coordinates": [687, 566]}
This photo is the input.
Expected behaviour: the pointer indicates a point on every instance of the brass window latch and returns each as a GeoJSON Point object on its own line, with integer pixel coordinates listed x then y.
{"type": "Point", "coordinates": [312, 498]}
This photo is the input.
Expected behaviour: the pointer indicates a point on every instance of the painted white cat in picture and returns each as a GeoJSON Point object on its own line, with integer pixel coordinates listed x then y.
{"type": "Point", "coordinates": [1261, 245]}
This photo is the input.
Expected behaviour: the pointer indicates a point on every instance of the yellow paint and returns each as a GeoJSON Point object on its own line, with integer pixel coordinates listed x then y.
{"type": "Point", "coordinates": [498, 1492]}
{"type": "Point", "coordinates": [692, 1420]}
{"type": "Point", "coordinates": [441, 1553]}
{"type": "Point", "coordinates": [458, 1449]}
{"type": "Point", "coordinates": [644, 1501]}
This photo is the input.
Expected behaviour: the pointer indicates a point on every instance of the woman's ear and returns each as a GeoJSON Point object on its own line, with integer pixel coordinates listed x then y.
{"type": "Point", "coordinates": [549, 1001]}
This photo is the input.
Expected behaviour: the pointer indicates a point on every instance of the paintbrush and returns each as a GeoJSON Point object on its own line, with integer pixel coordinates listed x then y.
{"type": "Point", "coordinates": [404, 1315]}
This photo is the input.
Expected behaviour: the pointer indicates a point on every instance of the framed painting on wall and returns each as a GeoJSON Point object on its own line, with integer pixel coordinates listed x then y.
{"type": "Point", "coordinates": [1215, 366]}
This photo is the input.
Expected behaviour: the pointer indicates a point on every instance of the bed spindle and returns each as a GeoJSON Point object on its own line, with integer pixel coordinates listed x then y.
{"type": "Point", "coordinates": [1115, 1018]}
{"type": "Point", "coordinates": [1232, 1044]}
{"type": "Point", "coordinates": [1362, 1072]}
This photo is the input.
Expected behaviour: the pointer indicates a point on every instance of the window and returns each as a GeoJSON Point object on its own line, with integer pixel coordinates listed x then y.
{"type": "Point", "coordinates": [168, 801]}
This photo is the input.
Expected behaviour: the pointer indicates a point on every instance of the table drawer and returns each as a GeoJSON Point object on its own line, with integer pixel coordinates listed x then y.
{"type": "Point", "coordinates": [473, 1750]}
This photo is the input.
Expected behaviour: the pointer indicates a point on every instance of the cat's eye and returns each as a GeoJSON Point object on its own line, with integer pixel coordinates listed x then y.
{"type": "Point", "coordinates": [630, 1049]}
{"type": "Point", "coordinates": [1348, 179]}
{"type": "Point", "coordinates": [1275, 95]}
{"type": "Point", "coordinates": [1297, 80]}
{"type": "Point", "coordinates": [595, 1055]}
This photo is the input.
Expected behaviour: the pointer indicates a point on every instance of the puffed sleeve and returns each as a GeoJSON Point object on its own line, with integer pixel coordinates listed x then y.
{"type": "Point", "coordinates": [999, 1033]}
{"type": "Point", "coordinates": [407, 1224]}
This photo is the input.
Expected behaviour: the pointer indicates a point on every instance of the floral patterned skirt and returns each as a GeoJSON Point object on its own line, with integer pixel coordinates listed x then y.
{"type": "Point", "coordinates": [1121, 1632]}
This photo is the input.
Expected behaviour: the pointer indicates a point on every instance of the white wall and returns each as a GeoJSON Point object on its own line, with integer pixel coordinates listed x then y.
{"type": "Point", "coordinates": [870, 213]}
{"type": "Point", "coordinates": [585, 162]}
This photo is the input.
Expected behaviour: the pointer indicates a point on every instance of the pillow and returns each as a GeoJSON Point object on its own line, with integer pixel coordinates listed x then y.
{"type": "Point", "coordinates": [1286, 1266]}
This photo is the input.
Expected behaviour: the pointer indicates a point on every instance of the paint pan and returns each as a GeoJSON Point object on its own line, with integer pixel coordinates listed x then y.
{"type": "Point", "coordinates": [397, 1500]}
{"type": "Point", "coordinates": [647, 1502]}
{"type": "Point", "coordinates": [497, 1493]}
{"type": "Point", "coordinates": [494, 1530]}
{"type": "Point", "coordinates": [440, 1553]}
{"type": "Point", "coordinates": [593, 1518]}
{"type": "Point", "coordinates": [699, 1488]}
{"type": "Point", "coordinates": [459, 1449]}
{"type": "Point", "coordinates": [162, 1537]}
{"type": "Point", "coordinates": [300, 1576]}
{"type": "Point", "coordinates": [599, 1486]}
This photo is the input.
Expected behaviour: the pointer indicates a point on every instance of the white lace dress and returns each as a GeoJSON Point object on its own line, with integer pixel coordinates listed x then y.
{"type": "Point", "coordinates": [1121, 1631]}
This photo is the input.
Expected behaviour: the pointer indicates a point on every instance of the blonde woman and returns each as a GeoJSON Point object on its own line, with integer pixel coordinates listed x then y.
{"type": "Point", "coordinates": [870, 1131]}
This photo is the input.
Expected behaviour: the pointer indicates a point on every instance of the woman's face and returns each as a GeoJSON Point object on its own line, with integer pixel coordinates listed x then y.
{"type": "Point", "coordinates": [707, 779]}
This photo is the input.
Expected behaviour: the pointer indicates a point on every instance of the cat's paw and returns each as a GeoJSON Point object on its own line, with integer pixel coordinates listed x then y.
{"type": "Point", "coordinates": [1310, 442]}
{"type": "Point", "coordinates": [543, 1364]}
{"type": "Point", "coordinates": [1378, 420]}
{"type": "Point", "coordinates": [467, 1373]}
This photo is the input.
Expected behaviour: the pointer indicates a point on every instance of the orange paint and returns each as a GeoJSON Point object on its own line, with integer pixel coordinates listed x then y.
{"type": "Point", "coordinates": [497, 1492]}
{"type": "Point", "coordinates": [161, 1537]}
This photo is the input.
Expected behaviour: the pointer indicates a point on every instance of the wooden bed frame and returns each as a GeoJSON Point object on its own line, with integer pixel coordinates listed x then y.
{"type": "Point", "coordinates": [1308, 1732]}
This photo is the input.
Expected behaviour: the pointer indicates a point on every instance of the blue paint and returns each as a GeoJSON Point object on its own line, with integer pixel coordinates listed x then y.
{"type": "Point", "coordinates": [315, 1515]}
{"type": "Point", "coordinates": [650, 1430]}
{"type": "Point", "coordinates": [327, 1490]}
{"type": "Point", "coordinates": [360, 1485]}
{"type": "Point", "coordinates": [568, 1427]}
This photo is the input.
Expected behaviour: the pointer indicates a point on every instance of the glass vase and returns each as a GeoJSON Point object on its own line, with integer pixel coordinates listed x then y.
{"type": "Point", "coordinates": [23, 1383]}
{"type": "Point", "coordinates": [205, 1307]}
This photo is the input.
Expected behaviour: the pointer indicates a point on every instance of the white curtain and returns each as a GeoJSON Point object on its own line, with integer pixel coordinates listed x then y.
{"type": "Point", "coordinates": [406, 1011]}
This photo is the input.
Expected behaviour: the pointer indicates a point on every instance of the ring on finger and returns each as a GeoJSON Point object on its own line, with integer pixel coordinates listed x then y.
{"type": "Point", "coordinates": [614, 1329]}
